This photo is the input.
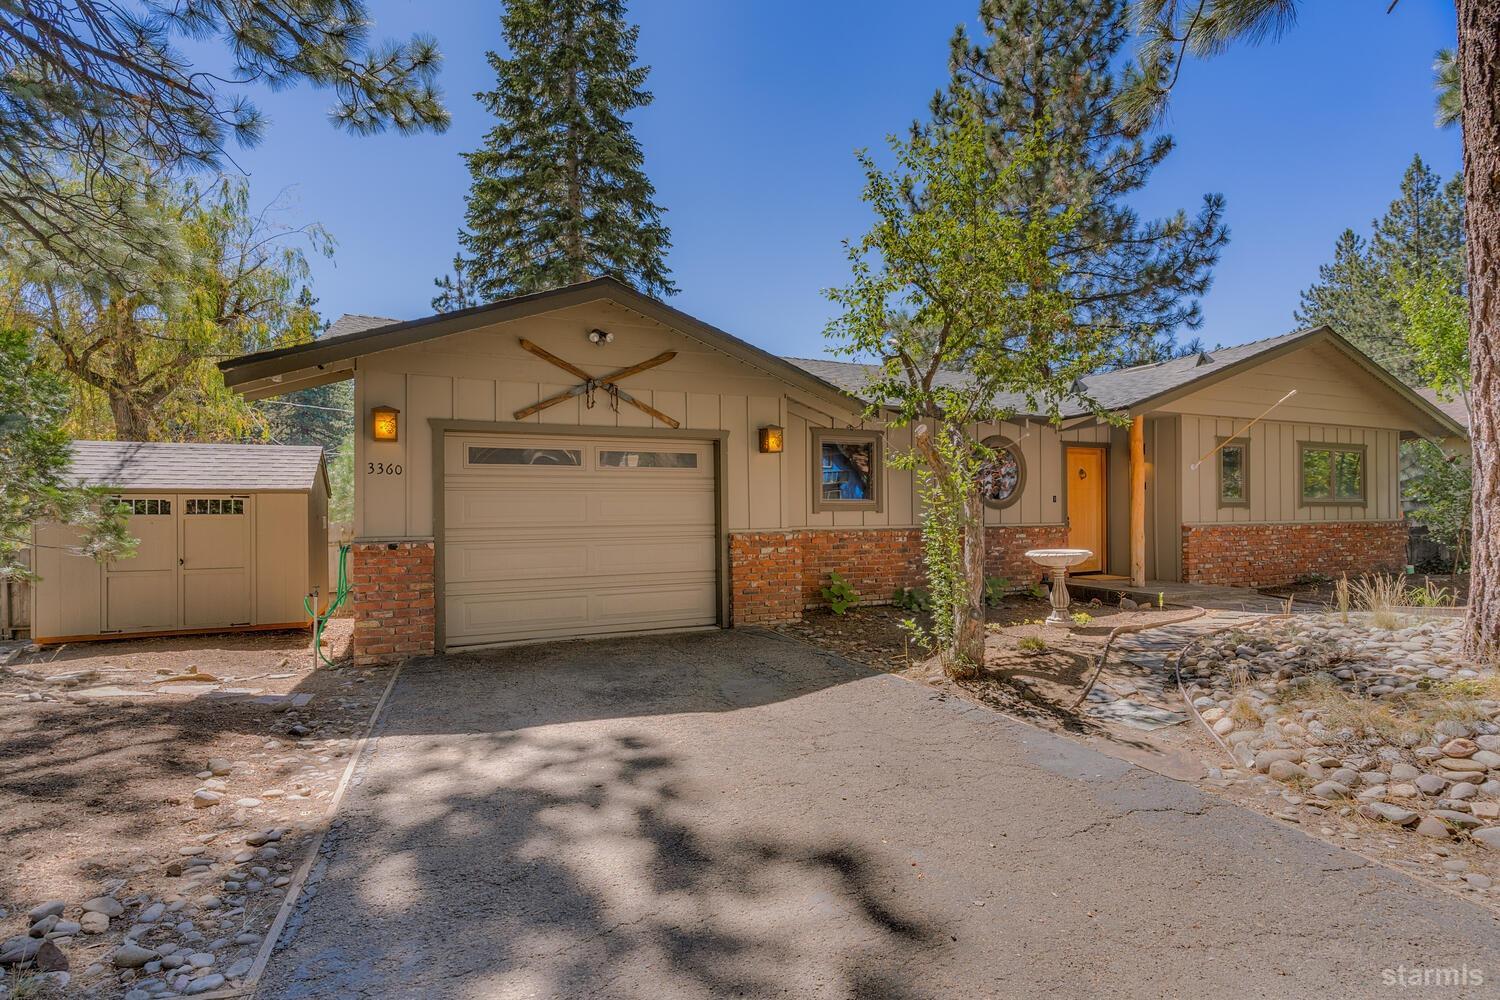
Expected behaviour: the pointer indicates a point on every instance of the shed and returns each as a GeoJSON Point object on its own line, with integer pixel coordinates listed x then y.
{"type": "Point", "coordinates": [230, 536]}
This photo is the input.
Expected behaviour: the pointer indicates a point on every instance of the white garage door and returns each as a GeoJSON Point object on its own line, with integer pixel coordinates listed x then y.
{"type": "Point", "coordinates": [556, 537]}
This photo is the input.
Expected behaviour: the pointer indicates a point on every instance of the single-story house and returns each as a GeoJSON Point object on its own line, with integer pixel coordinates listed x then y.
{"type": "Point", "coordinates": [230, 537]}
{"type": "Point", "coordinates": [589, 461]}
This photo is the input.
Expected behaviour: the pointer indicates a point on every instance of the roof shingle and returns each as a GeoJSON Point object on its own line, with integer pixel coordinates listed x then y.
{"type": "Point", "coordinates": [157, 465]}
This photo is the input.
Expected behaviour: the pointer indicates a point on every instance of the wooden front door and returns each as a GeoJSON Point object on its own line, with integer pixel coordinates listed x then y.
{"type": "Point", "coordinates": [1085, 469]}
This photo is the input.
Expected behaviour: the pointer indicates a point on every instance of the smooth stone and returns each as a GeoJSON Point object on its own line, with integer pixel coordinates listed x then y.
{"type": "Point", "coordinates": [1463, 790]}
{"type": "Point", "coordinates": [19, 949]}
{"type": "Point", "coordinates": [1460, 747]}
{"type": "Point", "coordinates": [1389, 813]}
{"type": "Point", "coordinates": [151, 914]}
{"type": "Point", "coordinates": [51, 908]}
{"type": "Point", "coordinates": [94, 922]}
{"type": "Point", "coordinates": [238, 969]}
{"type": "Point", "coordinates": [1487, 837]}
{"type": "Point", "coordinates": [203, 798]}
{"type": "Point", "coordinates": [205, 984]}
{"type": "Point", "coordinates": [1432, 827]}
{"type": "Point", "coordinates": [1404, 772]}
{"type": "Point", "coordinates": [132, 956]}
{"type": "Point", "coordinates": [201, 959]}
{"type": "Point", "coordinates": [1460, 764]}
{"type": "Point", "coordinates": [1285, 770]}
{"type": "Point", "coordinates": [219, 766]}
{"type": "Point", "coordinates": [1455, 818]}
{"type": "Point", "coordinates": [50, 958]}
{"type": "Point", "coordinates": [1431, 784]}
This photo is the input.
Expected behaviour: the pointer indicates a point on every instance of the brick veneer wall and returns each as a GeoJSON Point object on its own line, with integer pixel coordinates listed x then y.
{"type": "Point", "coordinates": [774, 575]}
{"type": "Point", "coordinates": [1259, 555]}
{"type": "Point", "coordinates": [393, 600]}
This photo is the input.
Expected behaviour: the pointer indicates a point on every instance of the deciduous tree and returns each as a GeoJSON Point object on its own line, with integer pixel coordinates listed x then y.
{"type": "Point", "coordinates": [949, 278]}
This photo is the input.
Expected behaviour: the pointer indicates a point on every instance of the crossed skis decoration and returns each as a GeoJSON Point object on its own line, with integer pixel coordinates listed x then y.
{"type": "Point", "coordinates": [589, 385]}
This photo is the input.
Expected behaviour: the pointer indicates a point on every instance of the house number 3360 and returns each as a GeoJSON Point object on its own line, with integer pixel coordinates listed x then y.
{"type": "Point", "coordinates": [384, 469]}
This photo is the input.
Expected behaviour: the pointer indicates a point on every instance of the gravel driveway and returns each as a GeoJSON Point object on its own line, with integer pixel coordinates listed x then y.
{"type": "Point", "coordinates": [736, 814]}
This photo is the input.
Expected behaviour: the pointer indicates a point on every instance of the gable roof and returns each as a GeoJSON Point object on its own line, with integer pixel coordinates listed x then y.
{"type": "Point", "coordinates": [160, 465]}
{"type": "Point", "coordinates": [1455, 408]}
{"type": "Point", "coordinates": [356, 323]}
{"type": "Point", "coordinates": [268, 373]}
{"type": "Point", "coordinates": [1146, 386]}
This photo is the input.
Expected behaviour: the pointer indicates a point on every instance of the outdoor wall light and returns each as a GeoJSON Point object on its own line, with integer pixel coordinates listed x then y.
{"type": "Point", "coordinates": [383, 425]}
{"type": "Point", "coordinates": [771, 439]}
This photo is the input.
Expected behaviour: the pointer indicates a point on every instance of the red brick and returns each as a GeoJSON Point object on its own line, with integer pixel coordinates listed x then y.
{"type": "Point", "coordinates": [1259, 555]}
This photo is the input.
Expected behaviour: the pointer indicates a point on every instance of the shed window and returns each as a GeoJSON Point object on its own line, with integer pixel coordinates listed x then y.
{"type": "Point", "coordinates": [216, 505]}
{"type": "Point", "coordinates": [1332, 473]}
{"type": "Point", "coordinates": [141, 506]}
{"type": "Point", "coordinates": [1234, 465]}
{"type": "Point", "coordinates": [648, 459]}
{"type": "Point", "coordinates": [525, 456]}
{"type": "Point", "coordinates": [846, 470]}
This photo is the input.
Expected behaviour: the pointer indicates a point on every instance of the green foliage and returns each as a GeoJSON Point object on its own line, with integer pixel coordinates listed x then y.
{"type": "Point", "coordinates": [323, 415]}
{"type": "Point", "coordinates": [912, 599]}
{"type": "Point", "coordinates": [559, 192]}
{"type": "Point", "coordinates": [1437, 331]}
{"type": "Point", "coordinates": [1081, 618]}
{"type": "Point", "coordinates": [96, 86]}
{"type": "Point", "coordinates": [1446, 80]}
{"type": "Point", "coordinates": [140, 351]}
{"type": "Point", "coordinates": [1037, 590]}
{"type": "Point", "coordinates": [1063, 63]}
{"type": "Point", "coordinates": [1443, 494]}
{"type": "Point", "coordinates": [1409, 266]}
{"type": "Point", "coordinates": [341, 484]}
{"type": "Point", "coordinates": [34, 454]}
{"type": "Point", "coordinates": [840, 594]}
{"type": "Point", "coordinates": [1033, 644]}
{"type": "Point", "coordinates": [995, 589]}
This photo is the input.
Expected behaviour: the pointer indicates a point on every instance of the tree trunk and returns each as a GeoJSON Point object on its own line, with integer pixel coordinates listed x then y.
{"type": "Point", "coordinates": [968, 645]}
{"type": "Point", "coordinates": [131, 422]}
{"type": "Point", "coordinates": [1479, 64]}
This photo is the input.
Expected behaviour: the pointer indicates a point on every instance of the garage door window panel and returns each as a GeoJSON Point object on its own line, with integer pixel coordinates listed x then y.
{"type": "Point", "coordinates": [482, 455]}
{"type": "Point", "coordinates": [615, 459]}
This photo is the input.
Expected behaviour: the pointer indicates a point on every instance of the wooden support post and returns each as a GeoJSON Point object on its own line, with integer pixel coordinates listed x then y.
{"type": "Point", "coordinates": [1138, 501]}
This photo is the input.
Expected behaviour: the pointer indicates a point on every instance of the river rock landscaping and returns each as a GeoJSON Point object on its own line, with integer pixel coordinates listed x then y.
{"type": "Point", "coordinates": [156, 801]}
{"type": "Point", "coordinates": [1372, 732]}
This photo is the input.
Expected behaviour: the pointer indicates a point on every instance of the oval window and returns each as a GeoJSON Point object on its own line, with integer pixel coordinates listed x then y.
{"type": "Point", "coordinates": [1003, 475]}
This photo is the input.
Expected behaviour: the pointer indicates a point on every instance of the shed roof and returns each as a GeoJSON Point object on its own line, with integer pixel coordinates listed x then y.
{"type": "Point", "coordinates": [159, 465]}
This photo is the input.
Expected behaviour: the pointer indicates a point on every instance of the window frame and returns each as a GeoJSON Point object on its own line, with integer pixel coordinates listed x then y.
{"type": "Point", "coordinates": [998, 443]}
{"type": "Point", "coordinates": [1333, 500]}
{"type": "Point", "coordinates": [834, 435]}
{"type": "Point", "coordinates": [1243, 444]}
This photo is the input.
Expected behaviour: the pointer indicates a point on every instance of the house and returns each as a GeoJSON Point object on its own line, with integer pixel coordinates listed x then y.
{"type": "Point", "coordinates": [590, 461]}
{"type": "Point", "coordinates": [230, 537]}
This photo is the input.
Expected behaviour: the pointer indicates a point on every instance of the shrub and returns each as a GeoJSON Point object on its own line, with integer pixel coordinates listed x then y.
{"type": "Point", "coordinates": [912, 598]}
{"type": "Point", "coordinates": [840, 593]}
{"type": "Point", "coordinates": [1033, 644]}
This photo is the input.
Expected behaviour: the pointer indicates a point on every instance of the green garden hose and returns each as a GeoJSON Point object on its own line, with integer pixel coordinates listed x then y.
{"type": "Point", "coordinates": [340, 594]}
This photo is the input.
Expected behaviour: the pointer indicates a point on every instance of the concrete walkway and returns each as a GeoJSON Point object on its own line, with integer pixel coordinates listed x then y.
{"type": "Point", "coordinates": [735, 814]}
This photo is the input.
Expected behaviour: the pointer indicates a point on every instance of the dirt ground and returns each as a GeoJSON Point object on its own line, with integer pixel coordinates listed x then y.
{"type": "Point", "coordinates": [1037, 682]}
{"type": "Point", "coordinates": [1453, 589]}
{"type": "Point", "coordinates": [103, 746]}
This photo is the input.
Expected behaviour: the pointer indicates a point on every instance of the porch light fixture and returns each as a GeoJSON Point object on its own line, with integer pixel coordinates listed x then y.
{"type": "Point", "coordinates": [383, 424]}
{"type": "Point", "coordinates": [771, 439]}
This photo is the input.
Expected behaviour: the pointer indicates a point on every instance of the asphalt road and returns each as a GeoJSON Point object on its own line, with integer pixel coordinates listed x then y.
{"type": "Point", "coordinates": [733, 814]}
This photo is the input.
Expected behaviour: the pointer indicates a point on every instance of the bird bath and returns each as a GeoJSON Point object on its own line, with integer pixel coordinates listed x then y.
{"type": "Point", "coordinates": [1057, 562]}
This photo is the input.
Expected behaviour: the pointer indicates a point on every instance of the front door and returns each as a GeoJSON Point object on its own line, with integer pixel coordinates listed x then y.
{"type": "Point", "coordinates": [1085, 469]}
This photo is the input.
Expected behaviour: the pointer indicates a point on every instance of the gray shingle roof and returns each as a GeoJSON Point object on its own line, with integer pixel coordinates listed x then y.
{"type": "Point", "coordinates": [1113, 390]}
{"type": "Point", "coordinates": [241, 468]}
{"type": "Point", "coordinates": [1455, 408]}
{"type": "Point", "coordinates": [357, 323]}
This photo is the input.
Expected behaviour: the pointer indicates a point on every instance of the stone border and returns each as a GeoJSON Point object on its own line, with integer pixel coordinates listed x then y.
{"type": "Point", "coordinates": [294, 889]}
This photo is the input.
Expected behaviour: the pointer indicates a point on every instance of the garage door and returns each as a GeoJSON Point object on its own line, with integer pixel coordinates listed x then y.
{"type": "Point", "coordinates": [556, 537]}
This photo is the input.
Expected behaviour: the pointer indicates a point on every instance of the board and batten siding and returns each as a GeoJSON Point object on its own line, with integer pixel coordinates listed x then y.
{"type": "Point", "coordinates": [486, 375]}
{"type": "Point", "coordinates": [1337, 401]}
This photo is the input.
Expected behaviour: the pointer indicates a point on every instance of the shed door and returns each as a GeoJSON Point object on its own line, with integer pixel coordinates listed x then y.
{"type": "Point", "coordinates": [215, 560]}
{"type": "Point", "coordinates": [140, 593]}
{"type": "Point", "coordinates": [559, 537]}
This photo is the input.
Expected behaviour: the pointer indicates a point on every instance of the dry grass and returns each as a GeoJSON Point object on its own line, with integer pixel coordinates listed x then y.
{"type": "Point", "coordinates": [1241, 703]}
{"type": "Point", "coordinates": [1382, 596]}
{"type": "Point", "coordinates": [1390, 718]}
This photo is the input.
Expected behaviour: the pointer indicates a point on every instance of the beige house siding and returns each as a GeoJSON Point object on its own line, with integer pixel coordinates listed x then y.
{"type": "Point", "coordinates": [486, 375]}
{"type": "Point", "coordinates": [282, 556]}
{"type": "Point", "coordinates": [67, 598]}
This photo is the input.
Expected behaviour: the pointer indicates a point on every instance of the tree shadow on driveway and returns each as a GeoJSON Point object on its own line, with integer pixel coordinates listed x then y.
{"type": "Point", "coordinates": [579, 819]}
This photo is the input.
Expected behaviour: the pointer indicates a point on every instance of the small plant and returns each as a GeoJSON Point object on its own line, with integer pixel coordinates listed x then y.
{"type": "Point", "coordinates": [1341, 598]}
{"type": "Point", "coordinates": [1429, 595]}
{"type": "Point", "coordinates": [912, 598]}
{"type": "Point", "coordinates": [1382, 596]}
{"type": "Point", "coordinates": [1081, 617]}
{"type": "Point", "coordinates": [1033, 644]}
{"type": "Point", "coordinates": [840, 593]}
{"type": "Point", "coordinates": [995, 589]}
{"type": "Point", "coordinates": [1037, 590]}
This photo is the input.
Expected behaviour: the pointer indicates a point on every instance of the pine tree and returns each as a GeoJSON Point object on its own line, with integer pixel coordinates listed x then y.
{"type": "Point", "coordinates": [1057, 66]}
{"type": "Point", "coordinates": [559, 191]}
{"type": "Point", "coordinates": [1421, 235]}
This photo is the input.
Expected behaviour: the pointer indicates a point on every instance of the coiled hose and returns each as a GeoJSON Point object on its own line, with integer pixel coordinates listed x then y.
{"type": "Point", "coordinates": [340, 594]}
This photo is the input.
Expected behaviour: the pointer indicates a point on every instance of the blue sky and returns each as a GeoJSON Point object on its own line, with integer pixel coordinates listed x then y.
{"type": "Point", "coordinates": [759, 108]}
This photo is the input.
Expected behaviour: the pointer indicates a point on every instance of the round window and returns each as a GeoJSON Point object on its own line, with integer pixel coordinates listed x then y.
{"type": "Point", "coordinates": [1003, 475]}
